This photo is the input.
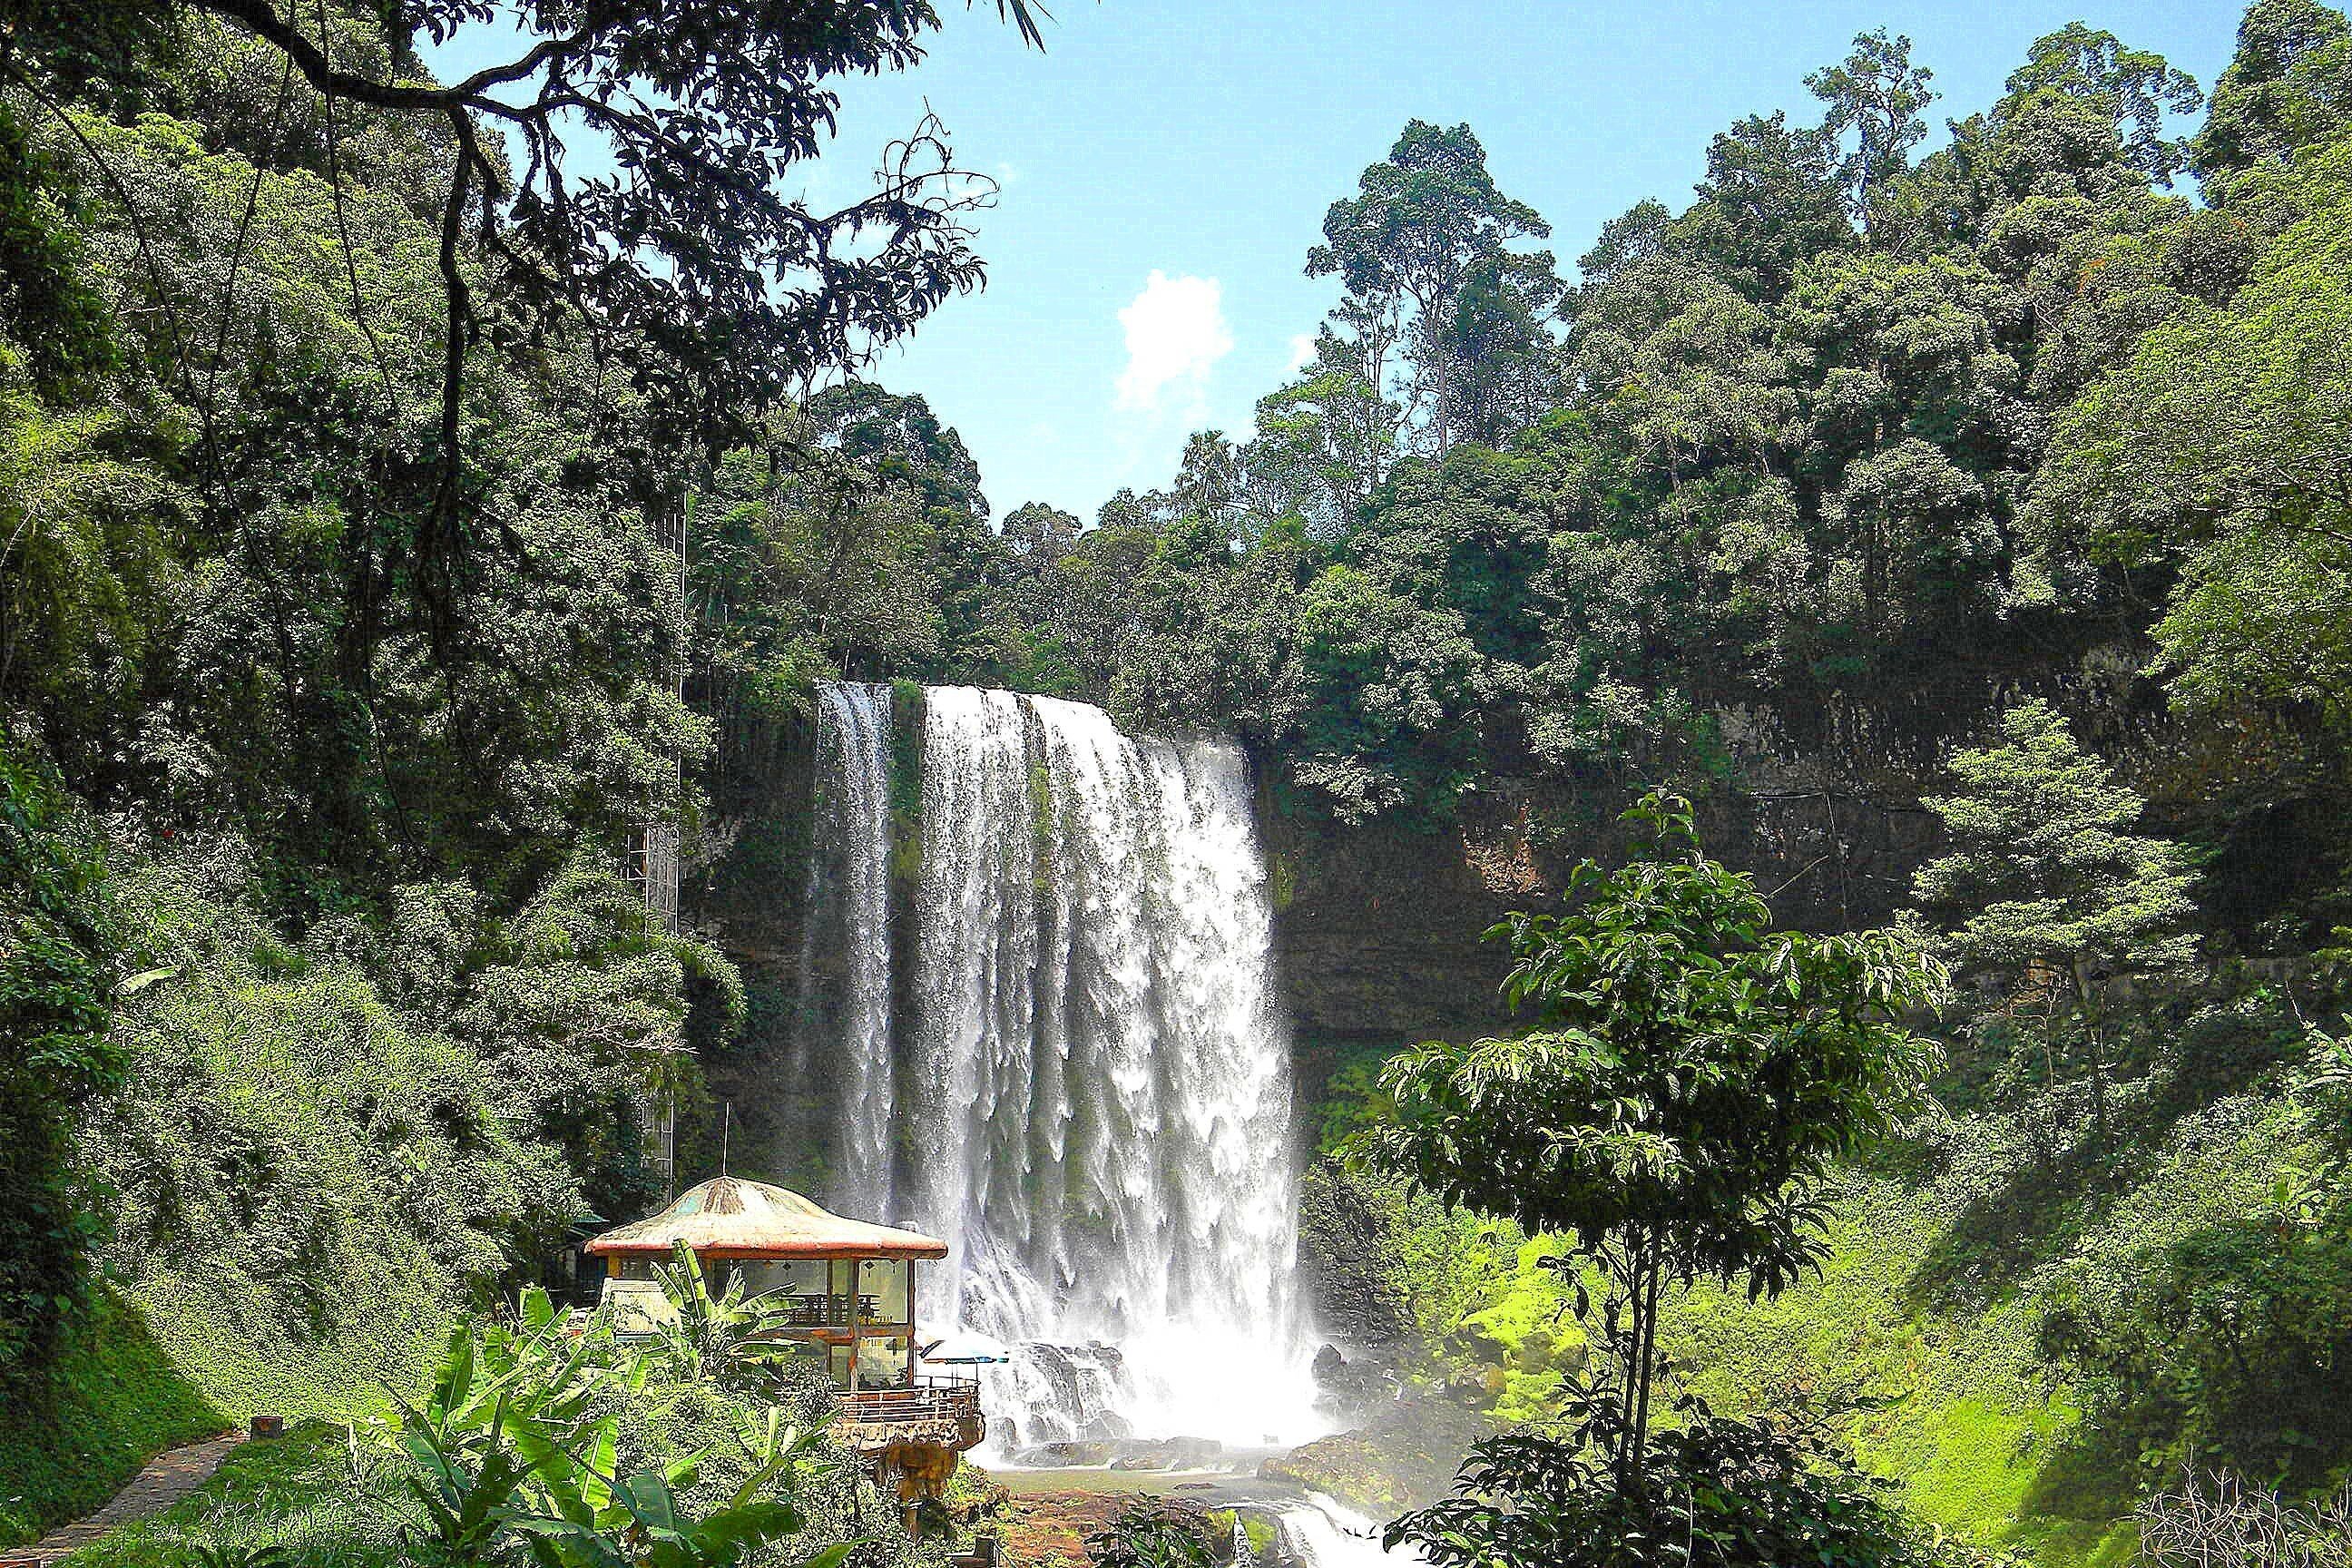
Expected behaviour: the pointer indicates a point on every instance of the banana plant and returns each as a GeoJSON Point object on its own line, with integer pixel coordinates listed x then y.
{"type": "Point", "coordinates": [720, 1338]}
{"type": "Point", "coordinates": [636, 1522]}
{"type": "Point", "coordinates": [510, 1410]}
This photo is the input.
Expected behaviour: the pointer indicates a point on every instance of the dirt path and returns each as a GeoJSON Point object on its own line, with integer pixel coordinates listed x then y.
{"type": "Point", "coordinates": [168, 1478]}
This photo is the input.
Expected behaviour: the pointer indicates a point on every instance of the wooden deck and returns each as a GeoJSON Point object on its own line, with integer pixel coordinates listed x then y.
{"type": "Point", "coordinates": [930, 1398]}
{"type": "Point", "coordinates": [934, 1411]}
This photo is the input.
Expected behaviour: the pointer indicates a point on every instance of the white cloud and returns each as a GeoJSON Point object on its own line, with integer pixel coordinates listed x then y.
{"type": "Point", "coordinates": [1302, 351]}
{"type": "Point", "coordinates": [1176, 333]}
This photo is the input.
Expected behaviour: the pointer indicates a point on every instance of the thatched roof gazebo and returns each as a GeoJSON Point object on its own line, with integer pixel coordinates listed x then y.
{"type": "Point", "coordinates": [847, 1292]}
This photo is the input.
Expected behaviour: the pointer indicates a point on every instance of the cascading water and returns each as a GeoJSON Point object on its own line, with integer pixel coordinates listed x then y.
{"type": "Point", "coordinates": [1086, 1090]}
{"type": "Point", "coordinates": [837, 1091]}
{"type": "Point", "coordinates": [1319, 1533]}
{"type": "Point", "coordinates": [853, 738]}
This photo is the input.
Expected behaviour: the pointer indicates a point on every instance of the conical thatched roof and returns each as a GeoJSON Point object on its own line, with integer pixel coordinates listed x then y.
{"type": "Point", "coordinates": [729, 1217]}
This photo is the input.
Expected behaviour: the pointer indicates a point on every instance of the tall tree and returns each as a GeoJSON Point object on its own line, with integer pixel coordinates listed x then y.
{"type": "Point", "coordinates": [1772, 198]}
{"type": "Point", "coordinates": [1328, 440]}
{"type": "Point", "coordinates": [696, 276]}
{"type": "Point", "coordinates": [2046, 883]}
{"type": "Point", "coordinates": [1430, 231]}
{"type": "Point", "coordinates": [1034, 529]}
{"type": "Point", "coordinates": [2133, 89]}
{"type": "Point", "coordinates": [1876, 98]}
{"type": "Point", "coordinates": [1691, 1078]}
{"type": "Point", "coordinates": [2288, 86]}
{"type": "Point", "coordinates": [2219, 452]}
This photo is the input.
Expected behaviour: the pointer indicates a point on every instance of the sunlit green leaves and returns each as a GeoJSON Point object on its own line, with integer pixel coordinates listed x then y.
{"type": "Point", "coordinates": [1689, 1077]}
{"type": "Point", "coordinates": [2045, 869]}
{"type": "Point", "coordinates": [2221, 448]}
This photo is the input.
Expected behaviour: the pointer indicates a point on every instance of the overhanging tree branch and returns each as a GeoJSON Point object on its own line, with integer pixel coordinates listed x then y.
{"type": "Point", "coordinates": [686, 269]}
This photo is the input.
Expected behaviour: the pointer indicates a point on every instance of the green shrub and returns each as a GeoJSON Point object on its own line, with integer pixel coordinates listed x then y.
{"type": "Point", "coordinates": [59, 941]}
{"type": "Point", "coordinates": [1716, 1493]}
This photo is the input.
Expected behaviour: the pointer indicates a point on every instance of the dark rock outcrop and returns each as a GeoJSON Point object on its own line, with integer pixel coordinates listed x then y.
{"type": "Point", "coordinates": [1347, 1267]}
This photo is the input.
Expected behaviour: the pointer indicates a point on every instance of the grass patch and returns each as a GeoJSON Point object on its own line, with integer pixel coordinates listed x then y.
{"type": "Point", "coordinates": [227, 1338]}
{"type": "Point", "coordinates": [111, 1401]}
{"type": "Point", "coordinates": [297, 1493]}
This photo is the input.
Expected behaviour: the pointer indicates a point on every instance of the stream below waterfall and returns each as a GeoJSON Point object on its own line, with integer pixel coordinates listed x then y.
{"type": "Point", "coordinates": [1310, 1529]}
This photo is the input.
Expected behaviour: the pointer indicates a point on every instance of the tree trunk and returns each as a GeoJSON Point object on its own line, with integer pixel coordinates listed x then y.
{"type": "Point", "coordinates": [1639, 1369]}
{"type": "Point", "coordinates": [2084, 993]}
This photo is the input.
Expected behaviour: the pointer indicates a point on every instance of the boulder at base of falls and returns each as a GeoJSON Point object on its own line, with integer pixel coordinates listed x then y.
{"type": "Point", "coordinates": [1351, 1390]}
{"type": "Point", "coordinates": [1077, 1389]}
{"type": "Point", "coordinates": [1063, 1456]}
{"type": "Point", "coordinates": [1403, 1458]}
{"type": "Point", "coordinates": [1168, 1454]}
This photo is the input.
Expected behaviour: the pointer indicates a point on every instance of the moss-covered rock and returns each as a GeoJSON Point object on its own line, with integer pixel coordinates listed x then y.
{"type": "Point", "coordinates": [1403, 1458]}
{"type": "Point", "coordinates": [1348, 1262]}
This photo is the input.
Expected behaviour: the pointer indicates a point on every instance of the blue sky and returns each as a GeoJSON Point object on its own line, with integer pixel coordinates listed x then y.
{"type": "Point", "coordinates": [1166, 165]}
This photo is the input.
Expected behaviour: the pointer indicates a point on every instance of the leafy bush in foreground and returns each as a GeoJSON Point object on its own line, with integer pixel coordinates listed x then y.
{"type": "Point", "coordinates": [1721, 1493]}
{"type": "Point", "coordinates": [516, 1453]}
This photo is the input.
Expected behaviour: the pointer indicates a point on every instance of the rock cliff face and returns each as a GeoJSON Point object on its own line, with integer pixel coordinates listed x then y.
{"type": "Point", "coordinates": [1380, 926]}
{"type": "Point", "coordinates": [1378, 930]}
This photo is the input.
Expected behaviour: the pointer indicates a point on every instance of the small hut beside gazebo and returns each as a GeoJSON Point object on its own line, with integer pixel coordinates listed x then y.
{"type": "Point", "coordinates": [848, 1290]}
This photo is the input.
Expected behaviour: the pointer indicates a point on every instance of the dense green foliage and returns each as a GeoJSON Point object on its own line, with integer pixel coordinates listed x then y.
{"type": "Point", "coordinates": [1728, 1494]}
{"type": "Point", "coordinates": [2024, 1330]}
{"type": "Point", "coordinates": [347, 660]}
{"type": "Point", "coordinates": [515, 1454]}
{"type": "Point", "coordinates": [343, 657]}
{"type": "Point", "coordinates": [2051, 894]}
{"type": "Point", "coordinates": [1855, 432]}
{"type": "Point", "coordinates": [1689, 1079]}
{"type": "Point", "coordinates": [57, 951]}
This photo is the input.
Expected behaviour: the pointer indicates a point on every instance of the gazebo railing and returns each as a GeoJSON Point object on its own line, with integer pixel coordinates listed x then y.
{"type": "Point", "coordinates": [927, 1398]}
{"type": "Point", "coordinates": [826, 1312]}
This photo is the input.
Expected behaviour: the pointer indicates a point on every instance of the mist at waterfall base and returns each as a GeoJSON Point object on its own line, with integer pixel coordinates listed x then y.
{"type": "Point", "coordinates": [1063, 1052]}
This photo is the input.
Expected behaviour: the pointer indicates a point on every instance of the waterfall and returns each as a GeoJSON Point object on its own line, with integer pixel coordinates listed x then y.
{"type": "Point", "coordinates": [854, 745]}
{"type": "Point", "coordinates": [1094, 1100]}
{"type": "Point", "coordinates": [837, 1091]}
